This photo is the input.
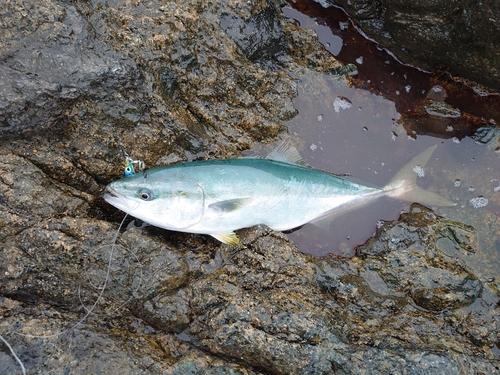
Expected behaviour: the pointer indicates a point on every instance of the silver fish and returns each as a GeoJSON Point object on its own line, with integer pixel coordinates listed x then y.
{"type": "Point", "coordinates": [216, 197]}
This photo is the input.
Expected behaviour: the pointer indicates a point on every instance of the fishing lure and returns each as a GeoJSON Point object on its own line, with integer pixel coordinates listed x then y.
{"type": "Point", "coordinates": [129, 169]}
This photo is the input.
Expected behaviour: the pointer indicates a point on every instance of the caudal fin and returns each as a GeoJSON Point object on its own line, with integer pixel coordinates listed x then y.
{"type": "Point", "coordinates": [404, 184]}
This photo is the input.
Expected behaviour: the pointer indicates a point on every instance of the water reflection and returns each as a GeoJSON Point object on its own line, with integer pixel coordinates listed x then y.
{"type": "Point", "coordinates": [387, 114]}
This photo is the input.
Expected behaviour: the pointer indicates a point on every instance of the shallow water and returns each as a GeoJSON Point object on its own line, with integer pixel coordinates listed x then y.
{"type": "Point", "coordinates": [374, 123]}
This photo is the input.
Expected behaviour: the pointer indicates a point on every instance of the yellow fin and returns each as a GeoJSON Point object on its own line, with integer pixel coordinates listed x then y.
{"type": "Point", "coordinates": [227, 238]}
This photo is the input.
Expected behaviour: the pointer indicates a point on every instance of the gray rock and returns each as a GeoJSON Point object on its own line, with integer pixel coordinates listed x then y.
{"type": "Point", "coordinates": [419, 268]}
{"type": "Point", "coordinates": [464, 36]}
{"type": "Point", "coordinates": [77, 295]}
{"type": "Point", "coordinates": [261, 37]}
{"type": "Point", "coordinates": [55, 63]}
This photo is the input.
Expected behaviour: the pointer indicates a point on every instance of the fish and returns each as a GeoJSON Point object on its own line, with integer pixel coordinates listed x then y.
{"type": "Point", "coordinates": [217, 197]}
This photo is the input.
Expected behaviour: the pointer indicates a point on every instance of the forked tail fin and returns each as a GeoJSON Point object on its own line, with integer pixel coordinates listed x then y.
{"type": "Point", "coordinates": [404, 184]}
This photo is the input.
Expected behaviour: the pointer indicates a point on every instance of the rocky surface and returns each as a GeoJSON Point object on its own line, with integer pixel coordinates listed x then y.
{"type": "Point", "coordinates": [82, 83]}
{"type": "Point", "coordinates": [462, 35]}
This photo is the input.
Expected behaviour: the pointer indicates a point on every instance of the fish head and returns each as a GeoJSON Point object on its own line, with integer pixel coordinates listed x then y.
{"type": "Point", "coordinates": [166, 202]}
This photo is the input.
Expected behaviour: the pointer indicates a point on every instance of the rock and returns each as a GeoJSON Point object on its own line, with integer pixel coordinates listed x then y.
{"type": "Point", "coordinates": [486, 134]}
{"type": "Point", "coordinates": [80, 295]}
{"type": "Point", "coordinates": [262, 47]}
{"type": "Point", "coordinates": [464, 36]}
{"type": "Point", "coordinates": [419, 268]}
{"type": "Point", "coordinates": [51, 60]}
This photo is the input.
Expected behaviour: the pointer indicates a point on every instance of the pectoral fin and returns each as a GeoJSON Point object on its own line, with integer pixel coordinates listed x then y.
{"type": "Point", "coordinates": [227, 238]}
{"type": "Point", "coordinates": [229, 205]}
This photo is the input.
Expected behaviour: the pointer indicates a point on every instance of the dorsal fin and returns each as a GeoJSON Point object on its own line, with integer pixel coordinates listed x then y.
{"type": "Point", "coordinates": [286, 153]}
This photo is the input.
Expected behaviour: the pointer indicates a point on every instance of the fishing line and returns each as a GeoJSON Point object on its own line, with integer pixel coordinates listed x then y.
{"type": "Point", "coordinates": [89, 311]}
{"type": "Point", "coordinates": [14, 354]}
{"type": "Point", "coordinates": [129, 170]}
{"type": "Point", "coordinates": [97, 287]}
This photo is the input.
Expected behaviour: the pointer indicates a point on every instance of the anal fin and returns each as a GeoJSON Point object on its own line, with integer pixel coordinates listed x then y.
{"type": "Point", "coordinates": [228, 238]}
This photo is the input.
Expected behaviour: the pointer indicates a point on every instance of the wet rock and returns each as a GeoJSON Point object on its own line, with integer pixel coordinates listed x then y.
{"type": "Point", "coordinates": [463, 36]}
{"type": "Point", "coordinates": [80, 295]}
{"type": "Point", "coordinates": [486, 134]}
{"type": "Point", "coordinates": [29, 196]}
{"type": "Point", "coordinates": [406, 255]}
{"type": "Point", "coordinates": [487, 333]}
{"type": "Point", "coordinates": [441, 109]}
{"type": "Point", "coordinates": [124, 345]}
{"type": "Point", "coordinates": [267, 307]}
{"type": "Point", "coordinates": [363, 10]}
{"type": "Point", "coordinates": [262, 47]}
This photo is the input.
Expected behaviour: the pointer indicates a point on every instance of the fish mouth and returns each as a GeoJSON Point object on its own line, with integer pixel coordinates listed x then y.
{"type": "Point", "coordinates": [110, 194]}
{"type": "Point", "coordinates": [113, 198]}
{"type": "Point", "coordinates": [119, 201]}
{"type": "Point", "coordinates": [109, 191]}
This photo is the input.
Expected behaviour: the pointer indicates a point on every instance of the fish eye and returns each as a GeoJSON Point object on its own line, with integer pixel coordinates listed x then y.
{"type": "Point", "coordinates": [145, 194]}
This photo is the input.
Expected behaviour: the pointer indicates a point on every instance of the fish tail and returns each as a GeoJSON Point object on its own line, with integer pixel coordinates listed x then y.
{"type": "Point", "coordinates": [404, 184]}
